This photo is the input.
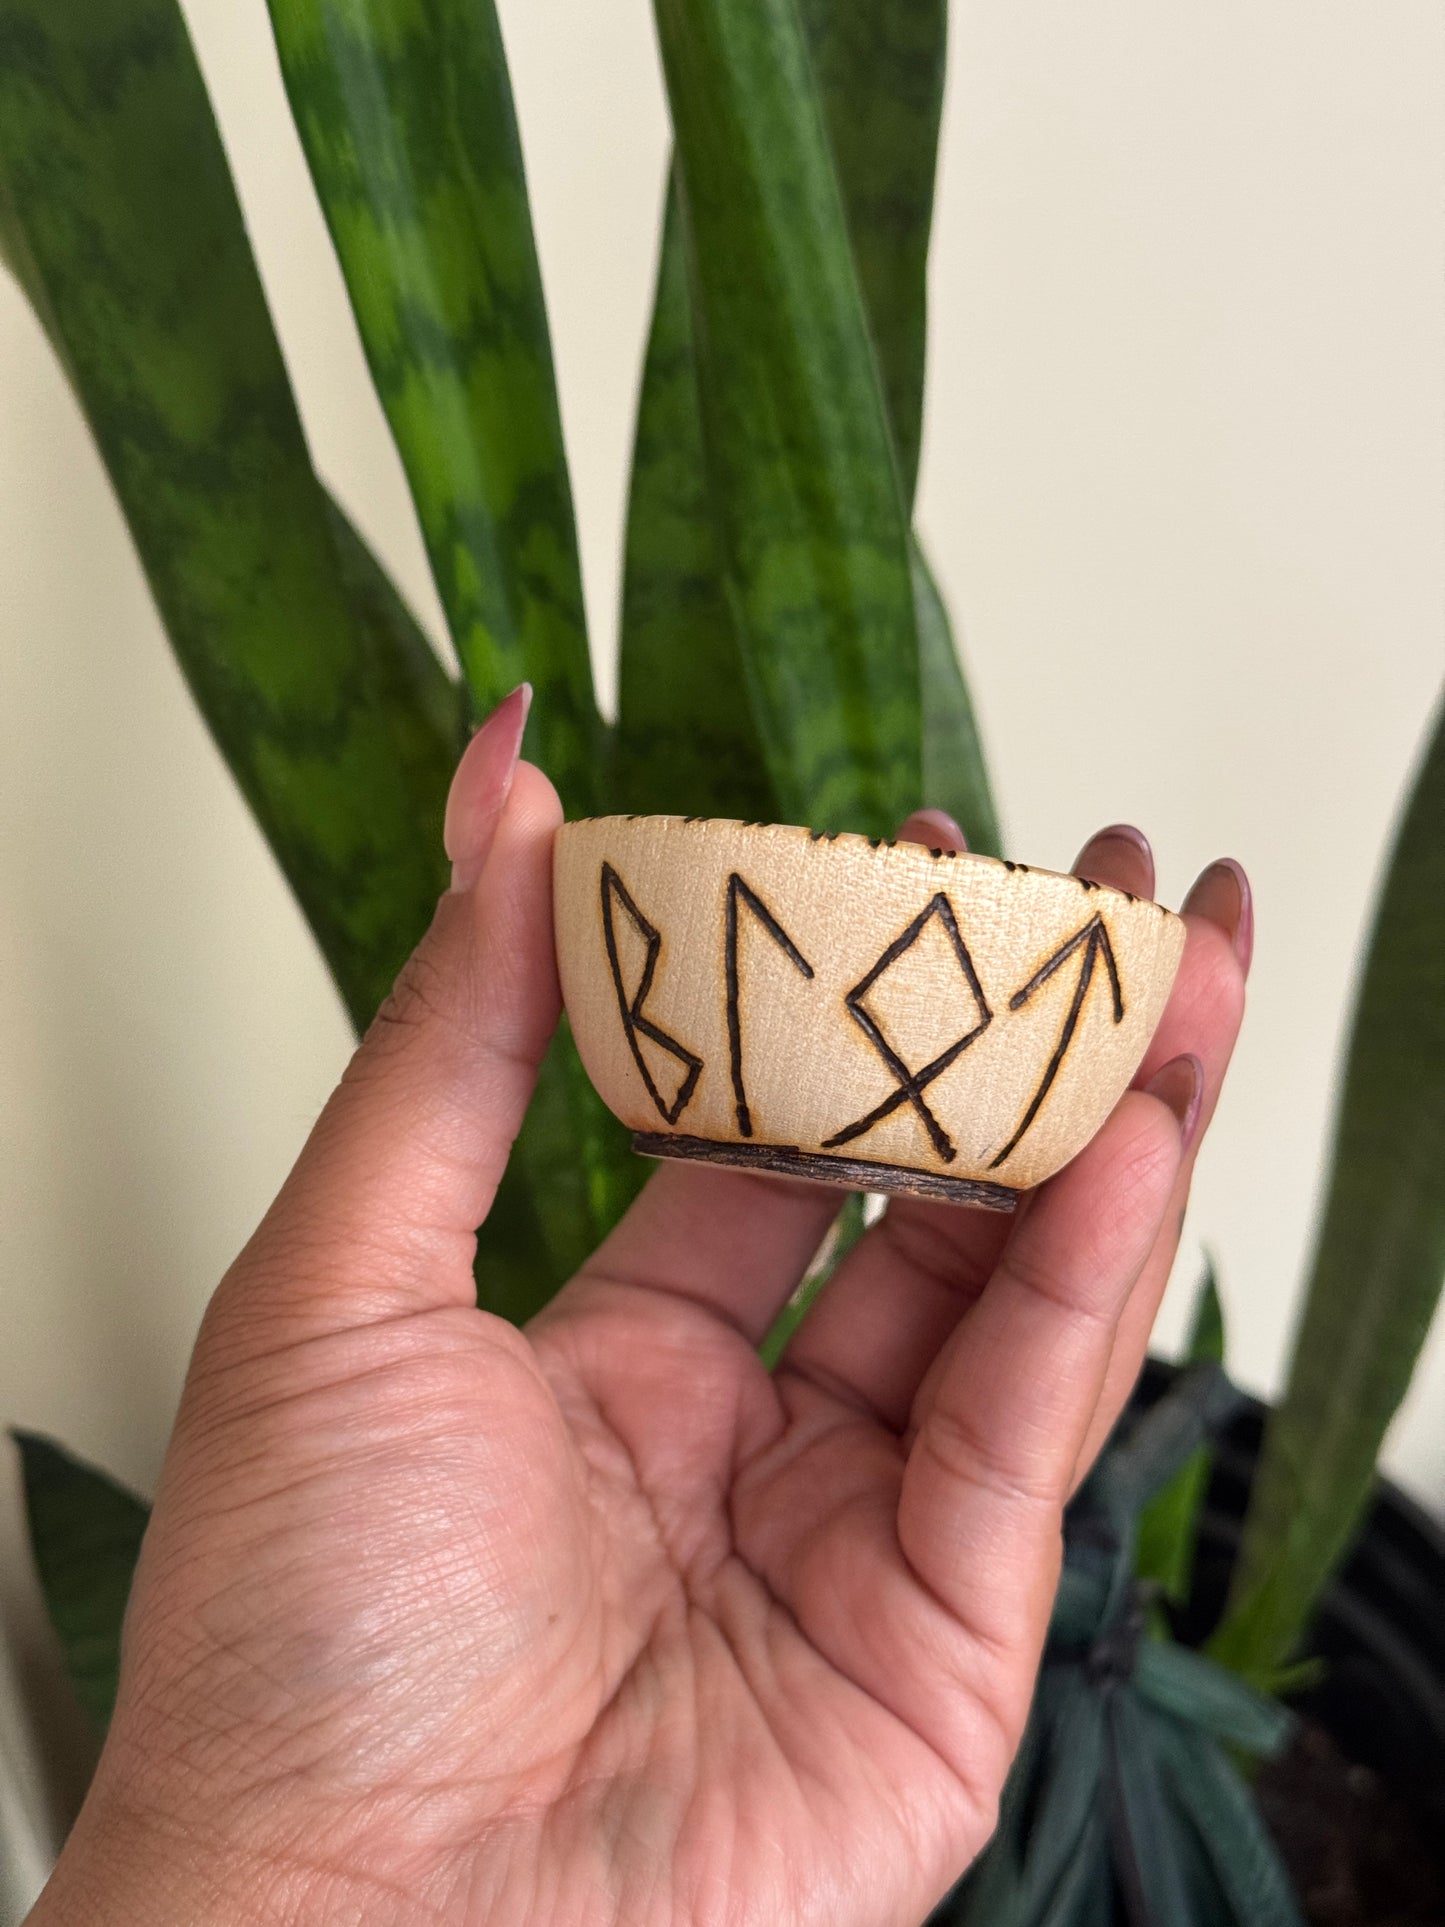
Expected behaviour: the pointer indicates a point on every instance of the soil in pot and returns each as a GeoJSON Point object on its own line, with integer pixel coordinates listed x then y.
{"type": "Point", "coordinates": [1354, 1850]}
{"type": "Point", "coordinates": [1357, 1803]}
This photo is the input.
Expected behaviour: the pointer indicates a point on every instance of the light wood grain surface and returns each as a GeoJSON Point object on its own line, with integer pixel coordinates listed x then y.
{"type": "Point", "coordinates": [757, 993]}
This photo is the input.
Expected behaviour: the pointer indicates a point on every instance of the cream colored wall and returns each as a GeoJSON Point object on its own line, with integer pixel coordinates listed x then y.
{"type": "Point", "coordinates": [1183, 482]}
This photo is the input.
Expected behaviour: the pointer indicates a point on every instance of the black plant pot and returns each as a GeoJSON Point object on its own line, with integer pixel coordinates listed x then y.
{"type": "Point", "coordinates": [1380, 1629]}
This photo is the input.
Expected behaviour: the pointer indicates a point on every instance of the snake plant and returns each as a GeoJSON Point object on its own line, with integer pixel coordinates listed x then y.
{"type": "Point", "coordinates": [784, 649]}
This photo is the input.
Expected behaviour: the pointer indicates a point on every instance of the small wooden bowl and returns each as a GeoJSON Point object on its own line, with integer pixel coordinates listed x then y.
{"type": "Point", "coordinates": [871, 1014]}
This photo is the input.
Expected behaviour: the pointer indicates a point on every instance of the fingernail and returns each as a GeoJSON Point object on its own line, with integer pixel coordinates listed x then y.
{"type": "Point", "coordinates": [481, 785]}
{"type": "Point", "coordinates": [935, 829]}
{"type": "Point", "coordinates": [1222, 894]}
{"type": "Point", "coordinates": [1180, 1085]}
{"type": "Point", "coordinates": [1130, 846]}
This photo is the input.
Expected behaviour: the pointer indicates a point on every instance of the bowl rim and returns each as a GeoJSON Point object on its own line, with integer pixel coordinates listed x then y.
{"type": "Point", "coordinates": [857, 839]}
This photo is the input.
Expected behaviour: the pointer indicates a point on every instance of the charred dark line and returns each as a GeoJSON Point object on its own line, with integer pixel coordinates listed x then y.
{"type": "Point", "coordinates": [1060, 957]}
{"type": "Point", "coordinates": [1095, 938]}
{"type": "Point", "coordinates": [739, 889]}
{"type": "Point", "coordinates": [735, 1028]}
{"type": "Point", "coordinates": [633, 1020]}
{"type": "Point", "coordinates": [912, 1084]}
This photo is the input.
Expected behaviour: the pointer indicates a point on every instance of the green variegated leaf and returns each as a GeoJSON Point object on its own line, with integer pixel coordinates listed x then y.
{"type": "Point", "coordinates": [85, 1533]}
{"type": "Point", "coordinates": [879, 69]}
{"type": "Point", "coordinates": [686, 742]}
{"type": "Point", "coordinates": [1379, 1260]}
{"type": "Point", "coordinates": [405, 112]}
{"type": "Point", "coordinates": [812, 530]}
{"type": "Point", "coordinates": [406, 115]}
{"type": "Point", "coordinates": [16, 256]}
{"type": "Point", "coordinates": [686, 736]}
{"type": "Point", "coordinates": [122, 224]}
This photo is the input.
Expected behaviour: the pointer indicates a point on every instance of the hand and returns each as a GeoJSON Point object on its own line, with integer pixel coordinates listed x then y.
{"type": "Point", "coordinates": [441, 1622]}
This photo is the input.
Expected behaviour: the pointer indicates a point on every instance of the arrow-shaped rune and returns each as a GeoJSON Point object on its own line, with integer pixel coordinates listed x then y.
{"type": "Point", "coordinates": [1093, 941]}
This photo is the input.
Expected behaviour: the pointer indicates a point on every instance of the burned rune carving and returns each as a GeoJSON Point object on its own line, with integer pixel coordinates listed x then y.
{"type": "Point", "coordinates": [911, 1084]}
{"type": "Point", "coordinates": [1093, 941]}
{"type": "Point", "coordinates": [670, 1071]}
{"type": "Point", "coordinates": [636, 1024]}
{"type": "Point", "coordinates": [740, 893]}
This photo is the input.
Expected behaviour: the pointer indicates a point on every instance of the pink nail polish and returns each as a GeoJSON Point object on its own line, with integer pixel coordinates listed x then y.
{"type": "Point", "coordinates": [481, 786]}
{"type": "Point", "coordinates": [934, 828]}
{"type": "Point", "coordinates": [1094, 857]}
{"type": "Point", "coordinates": [1180, 1085]}
{"type": "Point", "coordinates": [1124, 833]}
{"type": "Point", "coordinates": [1222, 894]}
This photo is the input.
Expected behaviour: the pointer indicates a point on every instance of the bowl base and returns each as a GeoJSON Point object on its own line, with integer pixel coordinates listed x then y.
{"type": "Point", "coordinates": [857, 1174]}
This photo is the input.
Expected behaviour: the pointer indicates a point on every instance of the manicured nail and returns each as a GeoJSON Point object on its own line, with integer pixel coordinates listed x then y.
{"type": "Point", "coordinates": [934, 828]}
{"type": "Point", "coordinates": [481, 785]}
{"type": "Point", "coordinates": [1180, 1085]}
{"type": "Point", "coordinates": [1118, 852]}
{"type": "Point", "coordinates": [1222, 894]}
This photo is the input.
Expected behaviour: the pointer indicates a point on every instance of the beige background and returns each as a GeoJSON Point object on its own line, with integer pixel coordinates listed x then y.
{"type": "Point", "coordinates": [1183, 482]}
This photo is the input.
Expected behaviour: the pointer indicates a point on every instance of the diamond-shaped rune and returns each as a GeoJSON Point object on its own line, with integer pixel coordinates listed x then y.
{"type": "Point", "coordinates": [911, 1084]}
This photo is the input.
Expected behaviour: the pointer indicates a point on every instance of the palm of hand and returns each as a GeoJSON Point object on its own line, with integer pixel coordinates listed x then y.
{"type": "Point", "coordinates": [619, 1606]}
{"type": "Point", "coordinates": [437, 1621]}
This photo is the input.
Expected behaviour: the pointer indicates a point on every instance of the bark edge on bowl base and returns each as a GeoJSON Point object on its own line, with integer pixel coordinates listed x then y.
{"type": "Point", "coordinates": [855, 1174]}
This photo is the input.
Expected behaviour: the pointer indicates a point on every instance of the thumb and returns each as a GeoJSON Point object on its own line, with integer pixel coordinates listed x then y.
{"type": "Point", "coordinates": [379, 1214]}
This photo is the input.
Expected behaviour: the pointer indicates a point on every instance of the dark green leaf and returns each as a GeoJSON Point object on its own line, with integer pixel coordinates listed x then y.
{"type": "Point", "coordinates": [1206, 1897]}
{"type": "Point", "coordinates": [1148, 1864]}
{"type": "Point", "coordinates": [123, 222]}
{"type": "Point", "coordinates": [1068, 1808]}
{"type": "Point", "coordinates": [879, 69]}
{"type": "Point", "coordinates": [810, 515]}
{"type": "Point", "coordinates": [85, 1532]}
{"type": "Point", "coordinates": [1379, 1260]}
{"type": "Point", "coordinates": [1197, 1689]}
{"type": "Point", "coordinates": [1208, 1340]}
{"type": "Point", "coordinates": [405, 112]}
{"type": "Point", "coordinates": [1209, 1794]}
{"type": "Point", "coordinates": [1163, 1440]}
{"type": "Point", "coordinates": [1165, 1551]}
{"type": "Point", "coordinates": [686, 742]}
{"type": "Point", "coordinates": [1083, 1885]}
{"type": "Point", "coordinates": [16, 256]}
{"type": "Point", "coordinates": [1081, 1601]}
